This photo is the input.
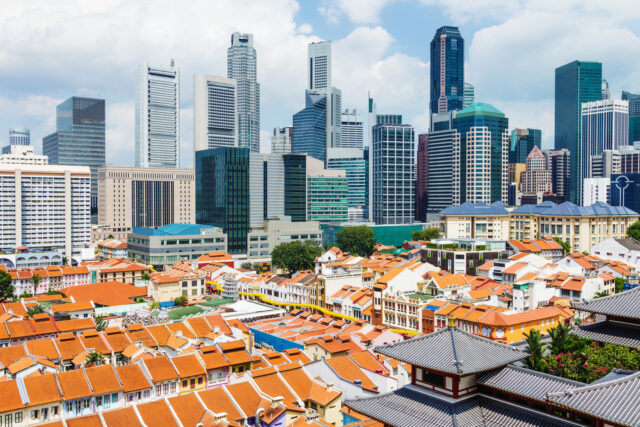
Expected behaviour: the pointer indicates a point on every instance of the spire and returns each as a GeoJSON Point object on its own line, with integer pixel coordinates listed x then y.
{"type": "Point", "coordinates": [536, 152]}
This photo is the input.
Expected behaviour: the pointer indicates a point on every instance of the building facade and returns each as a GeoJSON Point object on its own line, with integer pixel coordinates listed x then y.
{"type": "Point", "coordinates": [22, 155]}
{"type": "Point", "coordinates": [469, 95]}
{"type": "Point", "coordinates": [595, 190]}
{"type": "Point", "coordinates": [575, 83]}
{"type": "Point", "coordinates": [241, 66]}
{"type": "Point", "coordinates": [45, 208]}
{"type": "Point", "coordinates": [281, 140]}
{"type": "Point", "coordinates": [17, 136]}
{"type": "Point", "coordinates": [522, 142]}
{"type": "Point", "coordinates": [215, 107]}
{"type": "Point", "coordinates": [447, 70]}
{"type": "Point", "coordinates": [79, 139]}
{"type": "Point", "coordinates": [625, 190]}
{"type": "Point", "coordinates": [157, 109]}
{"type": "Point", "coordinates": [393, 148]}
{"type": "Point", "coordinates": [634, 115]}
{"type": "Point", "coordinates": [440, 165]}
{"type": "Point", "coordinates": [352, 161]}
{"type": "Point", "coordinates": [422, 178]}
{"type": "Point", "coordinates": [144, 197]}
{"type": "Point", "coordinates": [559, 163]}
{"type": "Point", "coordinates": [351, 130]}
{"type": "Point", "coordinates": [327, 193]}
{"type": "Point", "coordinates": [536, 178]}
{"type": "Point", "coordinates": [262, 240]}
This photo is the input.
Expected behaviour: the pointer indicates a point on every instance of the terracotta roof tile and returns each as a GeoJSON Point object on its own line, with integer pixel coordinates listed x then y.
{"type": "Point", "coordinates": [218, 401]}
{"type": "Point", "coordinates": [132, 378]}
{"type": "Point", "coordinates": [188, 408]}
{"type": "Point", "coordinates": [156, 414]}
{"type": "Point", "coordinates": [103, 379]}
{"type": "Point", "coordinates": [86, 421]}
{"type": "Point", "coordinates": [160, 368]}
{"type": "Point", "coordinates": [123, 417]}
{"type": "Point", "coordinates": [73, 384]}
{"type": "Point", "coordinates": [188, 366]}
{"type": "Point", "coordinates": [106, 293]}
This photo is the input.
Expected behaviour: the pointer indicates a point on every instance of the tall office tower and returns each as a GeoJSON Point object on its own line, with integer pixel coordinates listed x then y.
{"type": "Point", "coordinates": [606, 94]}
{"type": "Point", "coordinates": [575, 83]}
{"type": "Point", "coordinates": [634, 115]}
{"type": "Point", "coordinates": [353, 162]}
{"type": "Point", "coordinates": [605, 126]}
{"type": "Point", "coordinates": [393, 148]}
{"type": "Point", "coordinates": [536, 178]}
{"type": "Point", "coordinates": [315, 127]}
{"type": "Point", "coordinates": [522, 142]}
{"type": "Point", "coordinates": [440, 166]}
{"type": "Point", "coordinates": [480, 155]}
{"type": "Point", "coordinates": [241, 66]}
{"type": "Point", "coordinates": [281, 140]}
{"type": "Point", "coordinates": [351, 132]}
{"type": "Point", "coordinates": [158, 116]}
{"type": "Point", "coordinates": [327, 193]}
{"type": "Point", "coordinates": [215, 106]}
{"type": "Point", "coordinates": [319, 69]}
{"type": "Point", "coordinates": [371, 122]}
{"type": "Point", "coordinates": [79, 138]}
{"type": "Point", "coordinates": [144, 197]}
{"type": "Point", "coordinates": [17, 136]}
{"type": "Point", "coordinates": [422, 178]}
{"type": "Point", "coordinates": [596, 190]}
{"type": "Point", "coordinates": [46, 208]}
{"type": "Point", "coordinates": [629, 159]}
{"type": "Point", "coordinates": [469, 95]}
{"type": "Point", "coordinates": [605, 164]}
{"type": "Point", "coordinates": [447, 70]}
{"type": "Point", "coordinates": [559, 163]}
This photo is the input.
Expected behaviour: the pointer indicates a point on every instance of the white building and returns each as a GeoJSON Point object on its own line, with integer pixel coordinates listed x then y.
{"type": "Point", "coordinates": [625, 250]}
{"type": "Point", "coordinates": [23, 155]}
{"type": "Point", "coordinates": [241, 66]}
{"type": "Point", "coordinates": [281, 140]}
{"type": "Point", "coordinates": [215, 107]}
{"type": "Point", "coordinates": [158, 116]}
{"type": "Point", "coordinates": [17, 136]}
{"type": "Point", "coordinates": [351, 135]}
{"type": "Point", "coordinates": [319, 66]}
{"type": "Point", "coordinates": [595, 190]}
{"type": "Point", "coordinates": [45, 208]}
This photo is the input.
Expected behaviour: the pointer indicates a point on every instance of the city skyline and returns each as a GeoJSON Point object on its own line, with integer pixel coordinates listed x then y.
{"type": "Point", "coordinates": [371, 52]}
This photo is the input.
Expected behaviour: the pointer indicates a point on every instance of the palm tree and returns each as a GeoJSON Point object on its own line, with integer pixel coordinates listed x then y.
{"type": "Point", "coordinates": [536, 349]}
{"type": "Point", "coordinates": [145, 276]}
{"type": "Point", "coordinates": [35, 281]}
{"type": "Point", "coordinates": [36, 309]}
{"type": "Point", "coordinates": [559, 338]}
{"type": "Point", "coordinates": [94, 358]}
{"type": "Point", "coordinates": [101, 323]}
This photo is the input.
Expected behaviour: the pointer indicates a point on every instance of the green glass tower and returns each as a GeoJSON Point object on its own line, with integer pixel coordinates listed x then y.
{"type": "Point", "coordinates": [576, 82]}
{"type": "Point", "coordinates": [327, 198]}
{"type": "Point", "coordinates": [634, 116]}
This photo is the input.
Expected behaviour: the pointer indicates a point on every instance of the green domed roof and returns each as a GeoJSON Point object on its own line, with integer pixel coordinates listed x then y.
{"type": "Point", "coordinates": [480, 108]}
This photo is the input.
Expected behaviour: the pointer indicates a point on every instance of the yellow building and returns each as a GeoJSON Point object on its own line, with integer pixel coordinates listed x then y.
{"type": "Point", "coordinates": [510, 328]}
{"type": "Point", "coordinates": [475, 221]}
{"type": "Point", "coordinates": [192, 373]}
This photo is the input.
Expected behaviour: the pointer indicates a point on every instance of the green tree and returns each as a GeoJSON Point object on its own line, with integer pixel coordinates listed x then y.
{"type": "Point", "coordinates": [94, 358]}
{"type": "Point", "coordinates": [600, 294]}
{"type": "Point", "coordinates": [536, 349]}
{"type": "Point", "coordinates": [101, 322]}
{"type": "Point", "coordinates": [35, 281]}
{"type": "Point", "coordinates": [426, 234]}
{"type": "Point", "coordinates": [633, 231]}
{"type": "Point", "coordinates": [64, 260]}
{"type": "Point", "coordinates": [559, 339]}
{"type": "Point", "coordinates": [180, 301]}
{"type": "Point", "coordinates": [619, 284]}
{"type": "Point", "coordinates": [246, 266]}
{"type": "Point", "coordinates": [358, 240]}
{"type": "Point", "coordinates": [56, 293]}
{"type": "Point", "coordinates": [566, 247]}
{"type": "Point", "coordinates": [145, 276]}
{"type": "Point", "coordinates": [296, 255]}
{"type": "Point", "coordinates": [154, 305]}
{"type": "Point", "coordinates": [36, 309]}
{"type": "Point", "coordinates": [6, 289]}
{"type": "Point", "coordinates": [110, 236]}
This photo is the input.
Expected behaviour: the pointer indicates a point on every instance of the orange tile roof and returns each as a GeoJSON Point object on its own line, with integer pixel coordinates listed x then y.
{"type": "Point", "coordinates": [188, 366]}
{"type": "Point", "coordinates": [117, 340]}
{"type": "Point", "coordinates": [582, 261]}
{"type": "Point", "coordinates": [103, 379]}
{"type": "Point", "coordinates": [73, 384]}
{"type": "Point", "coordinates": [96, 341]}
{"type": "Point", "coordinates": [217, 320]}
{"type": "Point", "coordinates": [349, 370]}
{"type": "Point", "coordinates": [156, 413]}
{"type": "Point", "coordinates": [366, 360]}
{"type": "Point", "coordinates": [106, 293]}
{"type": "Point", "coordinates": [573, 284]}
{"type": "Point", "coordinates": [86, 421]}
{"type": "Point", "coordinates": [180, 327]}
{"type": "Point", "coordinates": [606, 277]}
{"type": "Point", "coordinates": [42, 389]}
{"type": "Point", "coordinates": [69, 346]}
{"type": "Point", "coordinates": [307, 389]}
{"type": "Point", "coordinates": [72, 306]}
{"type": "Point", "coordinates": [246, 396]}
{"type": "Point", "coordinates": [188, 409]}
{"type": "Point", "coordinates": [160, 368]}
{"type": "Point", "coordinates": [493, 318]}
{"type": "Point", "coordinates": [528, 276]}
{"type": "Point", "coordinates": [273, 385]}
{"type": "Point", "coordinates": [73, 325]}
{"type": "Point", "coordinates": [218, 401]}
{"type": "Point", "coordinates": [123, 417]}
{"type": "Point", "coordinates": [514, 268]}
{"type": "Point", "coordinates": [132, 378]}
{"type": "Point", "coordinates": [12, 353]}
{"type": "Point", "coordinates": [213, 358]}
{"type": "Point", "coordinates": [482, 293]}
{"type": "Point", "coordinates": [487, 265]}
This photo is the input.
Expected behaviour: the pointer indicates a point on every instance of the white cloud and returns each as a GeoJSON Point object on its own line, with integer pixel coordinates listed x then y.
{"type": "Point", "coordinates": [357, 11]}
{"type": "Point", "coordinates": [35, 112]}
{"type": "Point", "coordinates": [119, 133]}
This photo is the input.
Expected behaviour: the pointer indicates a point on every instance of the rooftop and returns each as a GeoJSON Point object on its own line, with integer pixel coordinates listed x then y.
{"type": "Point", "coordinates": [625, 305]}
{"type": "Point", "coordinates": [480, 108]}
{"type": "Point", "coordinates": [477, 209]}
{"type": "Point", "coordinates": [172, 230]}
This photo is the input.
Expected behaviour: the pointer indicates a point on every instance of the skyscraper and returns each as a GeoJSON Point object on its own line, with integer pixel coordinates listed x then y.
{"type": "Point", "coordinates": [575, 83]}
{"type": "Point", "coordinates": [17, 136]}
{"type": "Point", "coordinates": [281, 140]}
{"type": "Point", "coordinates": [158, 116]}
{"type": "Point", "coordinates": [319, 66]}
{"type": "Point", "coordinates": [79, 138]}
{"type": "Point", "coordinates": [605, 126]}
{"type": "Point", "coordinates": [440, 165]}
{"type": "Point", "coordinates": [310, 126]}
{"type": "Point", "coordinates": [393, 148]}
{"type": "Point", "coordinates": [241, 66]}
{"type": "Point", "coordinates": [634, 115]}
{"type": "Point", "coordinates": [606, 94]}
{"type": "Point", "coordinates": [351, 132]}
{"type": "Point", "coordinates": [480, 155]}
{"type": "Point", "coordinates": [353, 162]}
{"type": "Point", "coordinates": [422, 177]}
{"type": "Point", "coordinates": [447, 70]}
{"type": "Point", "coordinates": [327, 193]}
{"type": "Point", "coordinates": [522, 142]}
{"type": "Point", "coordinates": [536, 178]}
{"type": "Point", "coordinates": [469, 94]}
{"type": "Point", "coordinates": [558, 162]}
{"type": "Point", "coordinates": [215, 122]}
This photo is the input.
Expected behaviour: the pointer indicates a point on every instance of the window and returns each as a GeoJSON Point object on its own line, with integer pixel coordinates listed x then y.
{"type": "Point", "coordinates": [69, 406]}
{"type": "Point", "coordinates": [158, 390]}
{"type": "Point", "coordinates": [199, 380]}
{"type": "Point", "coordinates": [8, 419]}
{"type": "Point", "coordinates": [114, 398]}
{"type": "Point", "coordinates": [107, 401]}
{"type": "Point", "coordinates": [173, 387]}
{"type": "Point", "coordinates": [18, 417]}
{"type": "Point", "coordinates": [54, 410]}
{"type": "Point", "coordinates": [147, 393]}
{"type": "Point", "coordinates": [99, 401]}
{"type": "Point", "coordinates": [35, 414]}
{"type": "Point", "coordinates": [434, 379]}
{"type": "Point", "coordinates": [192, 383]}
{"type": "Point", "coordinates": [184, 383]}
{"type": "Point", "coordinates": [165, 388]}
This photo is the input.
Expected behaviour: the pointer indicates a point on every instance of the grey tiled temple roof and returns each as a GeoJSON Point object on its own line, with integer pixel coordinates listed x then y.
{"type": "Point", "coordinates": [412, 407]}
{"type": "Point", "coordinates": [525, 382]}
{"type": "Point", "coordinates": [631, 244]}
{"type": "Point", "coordinates": [625, 334]}
{"type": "Point", "coordinates": [624, 305]}
{"type": "Point", "coordinates": [453, 351]}
{"type": "Point", "coordinates": [615, 374]}
{"type": "Point", "coordinates": [613, 401]}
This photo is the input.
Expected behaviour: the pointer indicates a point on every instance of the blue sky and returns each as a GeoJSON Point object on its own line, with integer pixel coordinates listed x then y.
{"type": "Point", "coordinates": [53, 50]}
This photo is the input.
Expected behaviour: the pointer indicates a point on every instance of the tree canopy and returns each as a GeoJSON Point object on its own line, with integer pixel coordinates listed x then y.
{"type": "Point", "coordinates": [634, 231]}
{"type": "Point", "coordinates": [296, 255]}
{"type": "Point", "coordinates": [6, 289]}
{"type": "Point", "coordinates": [426, 234]}
{"type": "Point", "coordinates": [566, 247]}
{"type": "Point", "coordinates": [357, 240]}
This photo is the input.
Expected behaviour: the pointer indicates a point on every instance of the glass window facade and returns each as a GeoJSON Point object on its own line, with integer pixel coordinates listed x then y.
{"type": "Point", "coordinates": [522, 142]}
{"type": "Point", "coordinates": [447, 70]}
{"type": "Point", "coordinates": [327, 199]}
{"type": "Point", "coordinates": [295, 187]}
{"type": "Point", "coordinates": [153, 203]}
{"type": "Point", "coordinates": [310, 127]}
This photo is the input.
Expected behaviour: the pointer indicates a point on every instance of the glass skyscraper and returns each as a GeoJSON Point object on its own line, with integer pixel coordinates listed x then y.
{"type": "Point", "coordinates": [522, 142]}
{"type": "Point", "coordinates": [440, 165]}
{"type": "Point", "coordinates": [310, 126]}
{"type": "Point", "coordinates": [352, 161]}
{"type": "Point", "coordinates": [351, 132]}
{"type": "Point", "coordinates": [575, 83]}
{"type": "Point", "coordinates": [634, 115]}
{"type": "Point", "coordinates": [469, 94]}
{"type": "Point", "coordinates": [79, 139]}
{"type": "Point", "coordinates": [241, 66]}
{"type": "Point", "coordinates": [447, 70]}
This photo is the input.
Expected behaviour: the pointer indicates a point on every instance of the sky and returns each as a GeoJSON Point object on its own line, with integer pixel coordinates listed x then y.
{"type": "Point", "coordinates": [50, 51]}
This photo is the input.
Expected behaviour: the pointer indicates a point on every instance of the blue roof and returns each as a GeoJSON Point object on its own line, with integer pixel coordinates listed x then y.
{"type": "Point", "coordinates": [479, 209]}
{"type": "Point", "coordinates": [549, 208]}
{"type": "Point", "coordinates": [171, 230]}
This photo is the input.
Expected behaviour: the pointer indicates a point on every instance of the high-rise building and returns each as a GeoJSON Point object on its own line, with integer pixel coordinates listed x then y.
{"type": "Point", "coordinates": [522, 142]}
{"type": "Point", "coordinates": [319, 69]}
{"type": "Point", "coordinates": [559, 163]}
{"type": "Point", "coordinates": [625, 191]}
{"type": "Point", "coordinates": [368, 152]}
{"type": "Point", "coordinates": [45, 208]}
{"type": "Point", "coordinates": [440, 165]}
{"type": "Point", "coordinates": [595, 190]}
{"type": "Point", "coordinates": [327, 193]}
{"type": "Point", "coordinates": [422, 177]}
{"type": "Point", "coordinates": [393, 148]}
{"type": "Point", "coordinates": [144, 197]}
{"type": "Point", "coordinates": [447, 70]}
{"type": "Point", "coordinates": [575, 83]}
{"type": "Point", "coordinates": [17, 136]}
{"type": "Point", "coordinates": [634, 115]}
{"type": "Point", "coordinates": [158, 116]}
{"type": "Point", "coordinates": [480, 155]}
{"type": "Point", "coordinates": [469, 95]}
{"type": "Point", "coordinates": [315, 127]}
{"type": "Point", "coordinates": [605, 164]}
{"type": "Point", "coordinates": [353, 162]}
{"type": "Point", "coordinates": [536, 178]}
{"type": "Point", "coordinates": [605, 126]}
{"type": "Point", "coordinates": [606, 94]}
{"type": "Point", "coordinates": [241, 66]}
{"type": "Point", "coordinates": [351, 130]}
{"type": "Point", "coordinates": [281, 140]}
{"type": "Point", "coordinates": [79, 139]}
{"type": "Point", "coordinates": [215, 118]}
